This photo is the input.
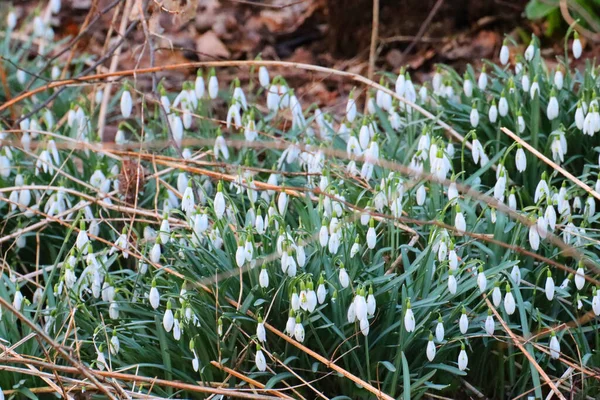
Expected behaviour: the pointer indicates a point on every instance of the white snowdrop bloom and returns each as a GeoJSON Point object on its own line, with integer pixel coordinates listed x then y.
{"type": "Point", "coordinates": [290, 324]}
{"type": "Point", "coordinates": [430, 351]}
{"type": "Point", "coordinates": [452, 259]}
{"type": "Point", "coordinates": [481, 280]}
{"type": "Point", "coordinates": [261, 333]}
{"type": "Point", "coordinates": [521, 159]}
{"type": "Point", "coordinates": [273, 98]}
{"type": "Point", "coordinates": [115, 344]}
{"type": "Point", "coordinates": [580, 278]}
{"type": "Point", "coordinates": [590, 207]}
{"type": "Point", "coordinates": [126, 104]}
{"type": "Point", "coordinates": [503, 106]}
{"type": "Point", "coordinates": [301, 256]}
{"type": "Point", "coordinates": [199, 86]}
{"type": "Point", "coordinates": [542, 226]}
{"type": "Point", "coordinates": [596, 302]}
{"type": "Point", "coordinates": [452, 285]}
{"type": "Point", "coordinates": [474, 117]}
{"type": "Point", "coordinates": [321, 293]}
{"type": "Point", "coordinates": [421, 195]}
{"type": "Point", "coordinates": [496, 296]}
{"type": "Point", "coordinates": [552, 109]}
{"type": "Point", "coordinates": [500, 187]}
{"type": "Point", "coordinates": [299, 330]}
{"type": "Point", "coordinates": [371, 303]}
{"type": "Point", "coordinates": [213, 85]}
{"type": "Point", "coordinates": [588, 124]}
{"type": "Point", "coordinates": [515, 274]}
{"type": "Point", "coordinates": [360, 305]}
{"type": "Point", "coordinates": [483, 79]}
{"type": "Point", "coordinates": [343, 277]}
{"type": "Point", "coordinates": [493, 112]}
{"type": "Point", "coordinates": [240, 97]}
{"type": "Point", "coordinates": [168, 318]}
{"type": "Point", "coordinates": [263, 76]}
{"type": "Point", "coordinates": [530, 51]}
{"type": "Point", "coordinates": [70, 278]}
{"type": "Point", "coordinates": [364, 326]}
{"type": "Point", "coordinates": [165, 231]}
{"type": "Point", "coordinates": [295, 301]}
{"type": "Point", "coordinates": [219, 203]}
{"type": "Point", "coordinates": [490, 325]}
{"type": "Point", "coordinates": [354, 249]}
{"type": "Point", "coordinates": [282, 201]}
{"type": "Point", "coordinates": [541, 189]}
{"type": "Point", "coordinates": [579, 117]}
{"type": "Point", "coordinates": [101, 360]}
{"type": "Point", "coordinates": [409, 319]}
{"type": "Point", "coordinates": [477, 152]}
{"type": "Point", "coordinates": [504, 53]}
{"type": "Point", "coordinates": [534, 237]}
{"type": "Point", "coordinates": [463, 322]}
{"type": "Point", "coordinates": [233, 115]}
{"type": "Point", "coordinates": [558, 79]}
{"type": "Point", "coordinates": [113, 310]}
{"type": "Point", "coordinates": [509, 302]}
{"type": "Point", "coordinates": [18, 300]}
{"type": "Point", "coordinates": [452, 191]}
{"type": "Point", "coordinates": [154, 296]}
{"type": "Point", "coordinates": [261, 362]}
{"type": "Point", "coordinates": [323, 235]}
{"type": "Point", "coordinates": [439, 330]}
{"type": "Point", "coordinates": [400, 87]}
{"type": "Point", "coordinates": [436, 81]}
{"type": "Point", "coordinates": [554, 347]}
{"type": "Point", "coordinates": [526, 84]}
{"type": "Point", "coordinates": [11, 20]}
{"type": "Point", "coordinates": [423, 94]}
{"type": "Point", "coordinates": [535, 88]}
{"type": "Point", "coordinates": [468, 87]}
{"type": "Point", "coordinates": [549, 287]}
{"type": "Point", "coordinates": [82, 240]}
{"type": "Point", "coordinates": [459, 221]}
{"type": "Point", "coordinates": [371, 238]}
{"type": "Point", "coordinates": [463, 359]}
{"type": "Point", "coordinates": [240, 256]}
{"type": "Point", "coordinates": [577, 48]}
{"type": "Point", "coordinates": [263, 278]}
{"type": "Point", "coordinates": [177, 329]}
{"type": "Point", "coordinates": [54, 6]}
{"type": "Point", "coordinates": [188, 202]}
{"type": "Point", "coordinates": [442, 251]}
{"type": "Point", "coordinates": [556, 148]}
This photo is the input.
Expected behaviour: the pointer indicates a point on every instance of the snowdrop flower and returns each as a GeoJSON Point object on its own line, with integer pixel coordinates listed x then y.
{"type": "Point", "coordinates": [355, 248]}
{"type": "Point", "coordinates": [321, 291]}
{"type": "Point", "coordinates": [474, 116]}
{"type": "Point", "coordinates": [219, 202]}
{"type": "Point", "coordinates": [213, 85]}
{"type": "Point", "coordinates": [400, 87]}
{"type": "Point", "coordinates": [261, 333]}
{"type": "Point", "coordinates": [323, 235]}
{"type": "Point", "coordinates": [496, 295]}
{"type": "Point", "coordinates": [421, 195]}
{"type": "Point", "coordinates": [238, 95]}
{"type": "Point", "coordinates": [558, 79]}
{"type": "Point", "coordinates": [580, 277]}
{"type": "Point", "coordinates": [493, 112]}
{"type": "Point", "coordinates": [263, 76]}
{"type": "Point", "coordinates": [530, 51]}
{"type": "Point", "coordinates": [199, 86]}
{"type": "Point", "coordinates": [504, 53]}
{"type": "Point", "coordinates": [554, 346]}
{"type": "Point", "coordinates": [11, 20]}
{"type": "Point", "coordinates": [115, 344]}
{"type": "Point", "coordinates": [299, 330]}
{"type": "Point", "coordinates": [463, 322]}
{"type": "Point", "coordinates": [481, 280]}
{"type": "Point", "coordinates": [549, 287]}
{"type": "Point", "coordinates": [371, 303]}
{"type": "Point", "coordinates": [409, 318]}
{"type": "Point", "coordinates": [263, 278]}
{"type": "Point", "coordinates": [552, 109]}
{"type": "Point", "coordinates": [126, 103]}
{"type": "Point", "coordinates": [521, 159]}
{"type": "Point", "coordinates": [261, 362]}
{"type": "Point", "coordinates": [509, 301]}
{"type": "Point", "coordinates": [439, 330]}
{"type": "Point", "coordinates": [54, 6]}
{"type": "Point", "coordinates": [579, 116]}
{"type": "Point", "coordinates": [577, 48]}
{"type": "Point", "coordinates": [503, 105]}
{"type": "Point", "coordinates": [290, 325]}
{"type": "Point", "coordinates": [188, 202]}
{"type": "Point", "coordinates": [467, 86]}
{"type": "Point", "coordinates": [101, 360]}
{"type": "Point", "coordinates": [452, 286]}
{"type": "Point", "coordinates": [459, 221]}
{"type": "Point", "coordinates": [463, 359]}
{"type": "Point", "coordinates": [82, 239]}
{"type": "Point", "coordinates": [595, 301]}
{"type": "Point", "coordinates": [18, 300]}
{"type": "Point", "coordinates": [430, 348]}
{"type": "Point", "coordinates": [483, 80]}
{"type": "Point", "coordinates": [154, 296]}
{"type": "Point", "coordinates": [477, 151]}
{"type": "Point", "coordinates": [343, 277]}
{"type": "Point", "coordinates": [273, 98]}
{"type": "Point", "coordinates": [371, 235]}
{"type": "Point", "coordinates": [515, 274]}
{"type": "Point", "coordinates": [534, 237]}
{"type": "Point", "coordinates": [535, 88]}
{"type": "Point", "coordinates": [168, 318]}
{"type": "Point", "coordinates": [452, 191]}
{"type": "Point", "coordinates": [452, 258]}
{"type": "Point", "coordinates": [490, 325]}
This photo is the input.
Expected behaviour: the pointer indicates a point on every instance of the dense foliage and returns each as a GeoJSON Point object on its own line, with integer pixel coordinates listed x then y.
{"type": "Point", "coordinates": [205, 234]}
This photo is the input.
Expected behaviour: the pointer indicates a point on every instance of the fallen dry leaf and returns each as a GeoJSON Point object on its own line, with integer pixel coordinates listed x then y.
{"type": "Point", "coordinates": [209, 47]}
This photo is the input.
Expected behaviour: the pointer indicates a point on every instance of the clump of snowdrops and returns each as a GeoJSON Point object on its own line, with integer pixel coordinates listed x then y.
{"type": "Point", "coordinates": [232, 225]}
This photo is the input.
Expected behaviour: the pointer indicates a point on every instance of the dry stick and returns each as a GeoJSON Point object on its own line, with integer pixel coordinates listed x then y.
{"type": "Point", "coordinates": [374, 38]}
{"type": "Point", "coordinates": [308, 67]}
{"type": "Point", "coordinates": [552, 164]}
{"type": "Point", "coordinates": [249, 380]}
{"type": "Point", "coordinates": [518, 343]}
{"type": "Point", "coordinates": [78, 366]}
{"type": "Point", "coordinates": [564, 10]}
{"type": "Point", "coordinates": [137, 378]}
